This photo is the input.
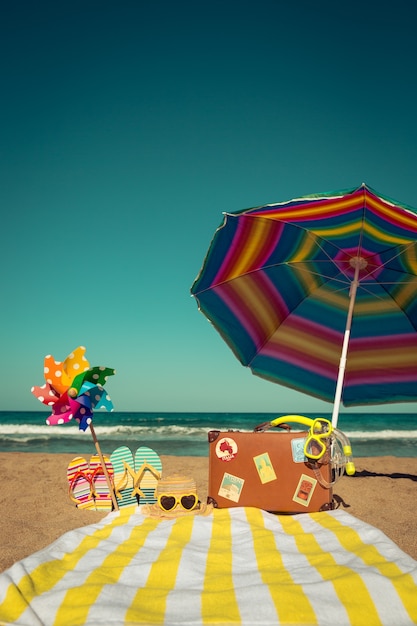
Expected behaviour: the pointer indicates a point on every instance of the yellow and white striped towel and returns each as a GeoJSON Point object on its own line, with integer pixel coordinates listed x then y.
{"type": "Point", "coordinates": [235, 566]}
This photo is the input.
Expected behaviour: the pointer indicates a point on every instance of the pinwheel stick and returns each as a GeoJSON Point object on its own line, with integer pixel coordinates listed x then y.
{"type": "Point", "coordinates": [103, 465]}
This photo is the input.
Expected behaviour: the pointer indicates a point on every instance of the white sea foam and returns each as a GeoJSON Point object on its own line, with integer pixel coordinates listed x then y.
{"type": "Point", "coordinates": [176, 431]}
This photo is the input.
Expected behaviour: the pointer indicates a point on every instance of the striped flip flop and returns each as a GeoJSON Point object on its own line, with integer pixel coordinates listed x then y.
{"type": "Point", "coordinates": [124, 471]}
{"type": "Point", "coordinates": [78, 475]}
{"type": "Point", "coordinates": [148, 469]}
{"type": "Point", "coordinates": [102, 495]}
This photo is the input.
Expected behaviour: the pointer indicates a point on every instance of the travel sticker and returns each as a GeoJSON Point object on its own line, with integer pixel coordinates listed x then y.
{"type": "Point", "coordinates": [297, 446]}
{"type": "Point", "coordinates": [264, 467]}
{"type": "Point", "coordinates": [231, 487]}
{"type": "Point", "coordinates": [226, 449]}
{"type": "Point", "coordinates": [305, 490]}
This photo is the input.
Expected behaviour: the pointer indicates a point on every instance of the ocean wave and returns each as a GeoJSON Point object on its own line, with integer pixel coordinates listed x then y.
{"type": "Point", "coordinates": [382, 434]}
{"type": "Point", "coordinates": [104, 431]}
{"type": "Point", "coordinates": [161, 432]}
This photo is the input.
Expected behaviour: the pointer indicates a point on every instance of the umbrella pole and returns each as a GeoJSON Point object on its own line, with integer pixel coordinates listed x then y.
{"type": "Point", "coordinates": [104, 468]}
{"type": "Point", "coordinates": [358, 263]}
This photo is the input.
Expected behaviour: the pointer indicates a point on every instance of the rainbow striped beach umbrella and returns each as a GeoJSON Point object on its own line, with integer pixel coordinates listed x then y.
{"type": "Point", "coordinates": [319, 294]}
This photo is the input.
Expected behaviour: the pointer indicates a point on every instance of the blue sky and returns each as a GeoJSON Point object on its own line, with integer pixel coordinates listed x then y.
{"type": "Point", "coordinates": [128, 127]}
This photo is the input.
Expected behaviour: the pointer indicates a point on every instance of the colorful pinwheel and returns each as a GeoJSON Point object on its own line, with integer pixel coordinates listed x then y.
{"type": "Point", "coordinates": [73, 389]}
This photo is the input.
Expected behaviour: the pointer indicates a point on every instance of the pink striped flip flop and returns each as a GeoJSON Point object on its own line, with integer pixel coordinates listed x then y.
{"type": "Point", "coordinates": [101, 492]}
{"type": "Point", "coordinates": [80, 491]}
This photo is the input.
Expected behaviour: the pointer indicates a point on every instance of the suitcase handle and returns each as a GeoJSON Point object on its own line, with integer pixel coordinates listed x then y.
{"type": "Point", "coordinates": [281, 422]}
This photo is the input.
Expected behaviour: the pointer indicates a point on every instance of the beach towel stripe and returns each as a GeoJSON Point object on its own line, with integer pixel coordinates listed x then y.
{"type": "Point", "coordinates": [185, 598]}
{"type": "Point", "coordinates": [41, 579]}
{"type": "Point", "coordinates": [354, 596]}
{"type": "Point", "coordinates": [151, 599]}
{"type": "Point", "coordinates": [72, 611]}
{"type": "Point", "coordinates": [289, 597]}
{"type": "Point", "coordinates": [219, 597]}
{"type": "Point", "coordinates": [247, 578]}
{"type": "Point", "coordinates": [77, 578]}
{"type": "Point", "coordinates": [235, 566]}
{"type": "Point", "coordinates": [320, 592]}
{"type": "Point", "coordinates": [351, 541]}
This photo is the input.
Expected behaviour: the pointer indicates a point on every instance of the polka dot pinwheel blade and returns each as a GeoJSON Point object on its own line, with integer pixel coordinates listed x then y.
{"type": "Point", "coordinates": [95, 375]}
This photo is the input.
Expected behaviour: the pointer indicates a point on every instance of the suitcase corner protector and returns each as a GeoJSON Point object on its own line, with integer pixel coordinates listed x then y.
{"type": "Point", "coordinates": [213, 435]}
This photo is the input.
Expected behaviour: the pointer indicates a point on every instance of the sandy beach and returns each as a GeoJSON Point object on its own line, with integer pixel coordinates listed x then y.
{"type": "Point", "coordinates": [36, 509]}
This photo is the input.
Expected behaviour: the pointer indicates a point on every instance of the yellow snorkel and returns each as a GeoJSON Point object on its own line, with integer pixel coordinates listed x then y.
{"type": "Point", "coordinates": [322, 436]}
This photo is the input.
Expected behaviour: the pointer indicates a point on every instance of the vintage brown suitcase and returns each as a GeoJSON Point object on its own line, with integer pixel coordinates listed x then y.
{"type": "Point", "coordinates": [268, 470]}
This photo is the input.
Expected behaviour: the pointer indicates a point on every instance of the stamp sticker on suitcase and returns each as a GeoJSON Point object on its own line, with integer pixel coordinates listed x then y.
{"type": "Point", "coordinates": [267, 470]}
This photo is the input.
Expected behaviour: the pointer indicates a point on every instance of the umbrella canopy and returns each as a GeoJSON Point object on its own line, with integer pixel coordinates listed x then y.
{"type": "Point", "coordinates": [319, 294]}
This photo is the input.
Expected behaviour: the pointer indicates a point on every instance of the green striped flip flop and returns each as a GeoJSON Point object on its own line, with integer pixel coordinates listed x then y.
{"type": "Point", "coordinates": [124, 472]}
{"type": "Point", "coordinates": [148, 469]}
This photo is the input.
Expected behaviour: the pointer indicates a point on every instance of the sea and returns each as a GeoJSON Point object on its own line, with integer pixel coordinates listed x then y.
{"type": "Point", "coordinates": [185, 434]}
